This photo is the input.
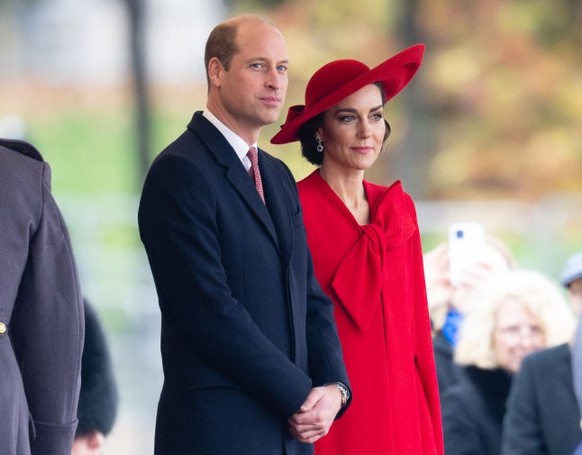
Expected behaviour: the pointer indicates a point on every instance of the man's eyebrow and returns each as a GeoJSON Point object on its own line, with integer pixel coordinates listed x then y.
{"type": "Point", "coordinates": [265, 59]}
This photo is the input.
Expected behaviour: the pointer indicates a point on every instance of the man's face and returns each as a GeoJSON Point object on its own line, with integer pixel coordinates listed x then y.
{"type": "Point", "coordinates": [252, 91]}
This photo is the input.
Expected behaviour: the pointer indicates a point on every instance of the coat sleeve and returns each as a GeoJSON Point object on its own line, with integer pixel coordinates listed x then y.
{"type": "Point", "coordinates": [47, 330]}
{"type": "Point", "coordinates": [522, 434]}
{"type": "Point", "coordinates": [177, 220]}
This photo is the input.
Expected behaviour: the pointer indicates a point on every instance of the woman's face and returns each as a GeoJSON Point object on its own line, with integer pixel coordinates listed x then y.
{"type": "Point", "coordinates": [517, 333]}
{"type": "Point", "coordinates": [353, 130]}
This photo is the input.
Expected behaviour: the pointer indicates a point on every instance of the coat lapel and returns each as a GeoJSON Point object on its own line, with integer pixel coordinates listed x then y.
{"type": "Point", "coordinates": [277, 204]}
{"type": "Point", "coordinates": [235, 172]}
{"type": "Point", "coordinates": [240, 180]}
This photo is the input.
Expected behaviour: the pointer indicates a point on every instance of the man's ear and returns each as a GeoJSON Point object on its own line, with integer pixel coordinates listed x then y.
{"type": "Point", "coordinates": [215, 69]}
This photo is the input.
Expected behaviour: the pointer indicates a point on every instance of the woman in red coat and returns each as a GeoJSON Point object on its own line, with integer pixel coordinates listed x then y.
{"type": "Point", "coordinates": [367, 254]}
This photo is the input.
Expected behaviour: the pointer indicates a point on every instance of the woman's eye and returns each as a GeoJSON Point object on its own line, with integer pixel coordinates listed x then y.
{"type": "Point", "coordinates": [346, 118]}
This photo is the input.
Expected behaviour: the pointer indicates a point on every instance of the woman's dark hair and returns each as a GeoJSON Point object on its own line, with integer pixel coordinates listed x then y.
{"type": "Point", "coordinates": [306, 135]}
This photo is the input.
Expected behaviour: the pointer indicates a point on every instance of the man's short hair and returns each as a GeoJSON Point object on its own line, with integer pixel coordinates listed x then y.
{"type": "Point", "coordinates": [221, 44]}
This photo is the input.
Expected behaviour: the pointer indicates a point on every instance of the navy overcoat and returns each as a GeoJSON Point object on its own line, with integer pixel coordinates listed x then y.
{"type": "Point", "coordinates": [542, 411]}
{"type": "Point", "coordinates": [246, 329]}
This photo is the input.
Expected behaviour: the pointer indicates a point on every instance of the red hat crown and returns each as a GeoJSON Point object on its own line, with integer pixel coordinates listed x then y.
{"type": "Point", "coordinates": [338, 79]}
{"type": "Point", "coordinates": [331, 77]}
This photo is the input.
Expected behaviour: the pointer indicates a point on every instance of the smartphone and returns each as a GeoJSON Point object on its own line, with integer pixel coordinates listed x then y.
{"type": "Point", "coordinates": [466, 239]}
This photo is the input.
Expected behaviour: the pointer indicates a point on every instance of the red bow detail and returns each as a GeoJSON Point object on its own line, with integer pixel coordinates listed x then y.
{"type": "Point", "coordinates": [359, 279]}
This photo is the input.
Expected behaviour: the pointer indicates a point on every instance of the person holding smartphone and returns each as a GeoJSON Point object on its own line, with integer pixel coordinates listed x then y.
{"type": "Point", "coordinates": [452, 271]}
{"type": "Point", "coordinates": [512, 314]}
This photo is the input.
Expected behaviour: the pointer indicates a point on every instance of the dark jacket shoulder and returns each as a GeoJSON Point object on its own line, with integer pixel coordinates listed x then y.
{"type": "Point", "coordinates": [550, 356]}
{"type": "Point", "coordinates": [473, 412]}
{"type": "Point", "coordinates": [22, 147]}
{"type": "Point", "coordinates": [23, 174]}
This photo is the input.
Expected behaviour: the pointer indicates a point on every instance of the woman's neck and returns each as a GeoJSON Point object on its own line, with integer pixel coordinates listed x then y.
{"type": "Point", "coordinates": [350, 189]}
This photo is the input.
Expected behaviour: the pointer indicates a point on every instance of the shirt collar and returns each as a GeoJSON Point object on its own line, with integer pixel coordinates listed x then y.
{"type": "Point", "coordinates": [240, 147]}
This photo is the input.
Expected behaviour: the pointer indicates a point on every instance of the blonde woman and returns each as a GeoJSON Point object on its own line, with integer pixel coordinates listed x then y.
{"type": "Point", "coordinates": [512, 314]}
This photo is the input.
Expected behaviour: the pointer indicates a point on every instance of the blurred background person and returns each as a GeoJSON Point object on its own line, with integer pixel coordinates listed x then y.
{"type": "Point", "coordinates": [511, 315]}
{"type": "Point", "coordinates": [447, 303]}
{"type": "Point", "coordinates": [41, 311]}
{"type": "Point", "coordinates": [98, 400]}
{"type": "Point", "coordinates": [365, 243]}
{"type": "Point", "coordinates": [572, 280]}
{"type": "Point", "coordinates": [543, 413]}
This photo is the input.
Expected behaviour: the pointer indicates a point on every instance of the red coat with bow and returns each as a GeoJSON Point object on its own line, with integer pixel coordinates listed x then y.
{"type": "Point", "coordinates": [374, 275]}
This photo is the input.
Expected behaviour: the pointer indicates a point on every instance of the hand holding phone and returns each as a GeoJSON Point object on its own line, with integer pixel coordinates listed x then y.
{"type": "Point", "coordinates": [466, 239]}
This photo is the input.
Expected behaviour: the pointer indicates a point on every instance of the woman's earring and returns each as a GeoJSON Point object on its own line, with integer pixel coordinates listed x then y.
{"type": "Point", "coordinates": [319, 147]}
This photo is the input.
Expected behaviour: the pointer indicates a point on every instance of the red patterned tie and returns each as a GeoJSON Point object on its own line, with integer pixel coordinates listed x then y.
{"type": "Point", "coordinates": [253, 155]}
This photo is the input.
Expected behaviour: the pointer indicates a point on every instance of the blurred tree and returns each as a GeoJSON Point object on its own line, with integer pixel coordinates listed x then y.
{"type": "Point", "coordinates": [496, 109]}
{"type": "Point", "coordinates": [505, 80]}
{"type": "Point", "coordinates": [135, 14]}
{"type": "Point", "coordinates": [411, 164]}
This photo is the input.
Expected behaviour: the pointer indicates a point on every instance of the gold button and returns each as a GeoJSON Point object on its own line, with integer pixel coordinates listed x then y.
{"type": "Point", "coordinates": [2, 328]}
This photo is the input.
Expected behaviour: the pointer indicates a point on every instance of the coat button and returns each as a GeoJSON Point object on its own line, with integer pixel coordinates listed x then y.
{"type": "Point", "coordinates": [2, 328]}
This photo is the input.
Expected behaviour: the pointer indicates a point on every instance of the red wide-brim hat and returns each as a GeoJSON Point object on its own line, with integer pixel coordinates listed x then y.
{"type": "Point", "coordinates": [340, 78]}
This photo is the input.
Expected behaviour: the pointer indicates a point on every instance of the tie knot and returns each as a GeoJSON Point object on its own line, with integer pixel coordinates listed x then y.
{"type": "Point", "coordinates": [253, 155]}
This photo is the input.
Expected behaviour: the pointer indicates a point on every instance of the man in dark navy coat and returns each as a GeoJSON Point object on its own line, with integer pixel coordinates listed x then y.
{"type": "Point", "coordinates": [543, 415]}
{"type": "Point", "coordinates": [252, 360]}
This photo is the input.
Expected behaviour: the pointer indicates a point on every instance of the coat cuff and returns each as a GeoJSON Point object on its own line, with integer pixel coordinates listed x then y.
{"type": "Point", "coordinates": [53, 439]}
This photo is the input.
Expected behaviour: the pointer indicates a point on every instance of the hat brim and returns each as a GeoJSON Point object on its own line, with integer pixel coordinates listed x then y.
{"type": "Point", "coordinates": [573, 270]}
{"type": "Point", "coordinates": [394, 74]}
{"type": "Point", "coordinates": [568, 279]}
